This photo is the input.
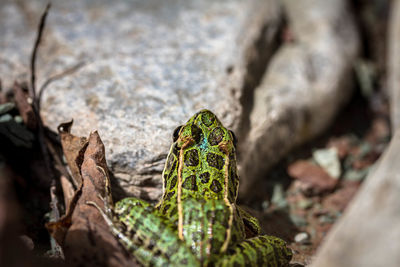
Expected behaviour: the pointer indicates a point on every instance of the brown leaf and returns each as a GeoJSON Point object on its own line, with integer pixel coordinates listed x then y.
{"type": "Point", "coordinates": [25, 109]}
{"type": "Point", "coordinates": [339, 200]}
{"type": "Point", "coordinates": [315, 178]}
{"type": "Point", "coordinates": [86, 238]}
{"type": "Point", "coordinates": [73, 148]}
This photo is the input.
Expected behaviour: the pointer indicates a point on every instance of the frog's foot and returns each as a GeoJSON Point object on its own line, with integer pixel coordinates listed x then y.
{"type": "Point", "coordinates": [258, 251]}
{"type": "Point", "coordinates": [252, 226]}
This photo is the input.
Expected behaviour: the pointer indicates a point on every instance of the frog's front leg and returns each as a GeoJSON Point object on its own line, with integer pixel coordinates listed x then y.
{"type": "Point", "coordinates": [141, 230]}
{"type": "Point", "coordinates": [258, 251]}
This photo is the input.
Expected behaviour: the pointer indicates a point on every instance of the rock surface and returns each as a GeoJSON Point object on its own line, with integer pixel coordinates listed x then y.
{"type": "Point", "coordinates": [147, 67]}
{"type": "Point", "coordinates": [305, 85]}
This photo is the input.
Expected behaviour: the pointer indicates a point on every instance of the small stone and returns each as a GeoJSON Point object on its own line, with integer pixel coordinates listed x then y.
{"type": "Point", "coordinates": [328, 159]}
{"type": "Point", "coordinates": [302, 238]}
{"type": "Point", "coordinates": [278, 197]}
{"type": "Point", "coordinates": [18, 119]}
{"type": "Point", "coordinates": [305, 204]}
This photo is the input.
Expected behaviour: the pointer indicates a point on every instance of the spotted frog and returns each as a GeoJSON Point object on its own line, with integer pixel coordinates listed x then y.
{"type": "Point", "coordinates": [197, 221]}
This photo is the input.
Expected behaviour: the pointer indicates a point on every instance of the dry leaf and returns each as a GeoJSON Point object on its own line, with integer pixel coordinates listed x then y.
{"type": "Point", "coordinates": [82, 232]}
{"type": "Point", "coordinates": [73, 148]}
{"type": "Point", "coordinates": [313, 176]}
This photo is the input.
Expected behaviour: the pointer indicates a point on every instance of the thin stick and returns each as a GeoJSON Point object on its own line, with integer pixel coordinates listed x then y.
{"type": "Point", "coordinates": [57, 77]}
{"type": "Point", "coordinates": [35, 49]}
{"type": "Point", "coordinates": [55, 214]}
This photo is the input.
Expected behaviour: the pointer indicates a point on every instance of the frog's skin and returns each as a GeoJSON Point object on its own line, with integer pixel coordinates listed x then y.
{"type": "Point", "coordinates": [197, 221]}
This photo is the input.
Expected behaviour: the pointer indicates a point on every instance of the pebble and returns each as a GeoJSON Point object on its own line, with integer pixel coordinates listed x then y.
{"type": "Point", "coordinates": [302, 238]}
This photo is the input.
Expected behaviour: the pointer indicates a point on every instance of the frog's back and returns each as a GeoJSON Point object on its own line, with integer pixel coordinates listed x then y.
{"type": "Point", "coordinates": [201, 163]}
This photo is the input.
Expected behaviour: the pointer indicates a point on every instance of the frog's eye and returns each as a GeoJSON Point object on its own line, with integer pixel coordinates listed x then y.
{"type": "Point", "coordinates": [234, 139]}
{"type": "Point", "coordinates": [176, 133]}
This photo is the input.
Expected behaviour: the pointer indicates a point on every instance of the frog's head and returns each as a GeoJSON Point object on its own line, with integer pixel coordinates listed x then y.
{"type": "Point", "coordinates": [205, 131]}
{"type": "Point", "coordinates": [204, 139]}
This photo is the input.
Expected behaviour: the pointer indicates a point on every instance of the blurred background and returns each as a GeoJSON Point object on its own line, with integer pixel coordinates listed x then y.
{"type": "Point", "coordinates": [310, 88]}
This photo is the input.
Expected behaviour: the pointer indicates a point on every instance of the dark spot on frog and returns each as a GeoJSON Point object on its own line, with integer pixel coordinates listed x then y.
{"type": "Point", "coordinates": [207, 118]}
{"type": "Point", "coordinates": [192, 158]}
{"type": "Point", "coordinates": [170, 161]}
{"type": "Point", "coordinates": [215, 161]}
{"type": "Point", "coordinates": [175, 135]}
{"type": "Point", "coordinates": [175, 149]}
{"type": "Point", "coordinates": [173, 183]}
{"type": "Point", "coordinates": [190, 183]}
{"type": "Point", "coordinates": [263, 239]}
{"type": "Point", "coordinates": [216, 186]}
{"type": "Point", "coordinates": [196, 133]}
{"type": "Point", "coordinates": [166, 208]}
{"type": "Point", "coordinates": [169, 195]}
{"type": "Point", "coordinates": [165, 179]}
{"type": "Point", "coordinates": [216, 136]}
{"type": "Point", "coordinates": [174, 210]}
{"type": "Point", "coordinates": [151, 244]}
{"type": "Point", "coordinates": [204, 177]}
{"type": "Point", "coordinates": [157, 253]}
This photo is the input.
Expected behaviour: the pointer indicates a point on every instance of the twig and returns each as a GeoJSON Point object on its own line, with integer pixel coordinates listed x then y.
{"type": "Point", "coordinates": [55, 214]}
{"type": "Point", "coordinates": [57, 77]}
{"type": "Point", "coordinates": [35, 49]}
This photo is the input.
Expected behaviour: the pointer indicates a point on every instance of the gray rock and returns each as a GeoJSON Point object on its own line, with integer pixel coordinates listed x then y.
{"type": "Point", "coordinates": [147, 67]}
{"type": "Point", "coordinates": [305, 85]}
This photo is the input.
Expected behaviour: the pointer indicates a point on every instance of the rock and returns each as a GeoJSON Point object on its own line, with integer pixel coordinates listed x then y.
{"type": "Point", "coordinates": [147, 66]}
{"type": "Point", "coordinates": [302, 238]}
{"type": "Point", "coordinates": [316, 179]}
{"type": "Point", "coordinates": [278, 197]}
{"type": "Point", "coordinates": [305, 85]}
{"type": "Point", "coordinates": [328, 159]}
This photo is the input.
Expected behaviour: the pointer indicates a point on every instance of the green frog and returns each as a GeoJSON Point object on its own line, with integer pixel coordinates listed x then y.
{"type": "Point", "coordinates": [197, 221]}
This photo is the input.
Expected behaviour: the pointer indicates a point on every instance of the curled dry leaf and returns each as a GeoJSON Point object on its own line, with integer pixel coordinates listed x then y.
{"type": "Point", "coordinates": [315, 178]}
{"type": "Point", "coordinates": [73, 148]}
{"type": "Point", "coordinates": [82, 232]}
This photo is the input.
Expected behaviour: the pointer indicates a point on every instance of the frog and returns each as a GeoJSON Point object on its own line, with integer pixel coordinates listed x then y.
{"type": "Point", "coordinates": [197, 221]}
